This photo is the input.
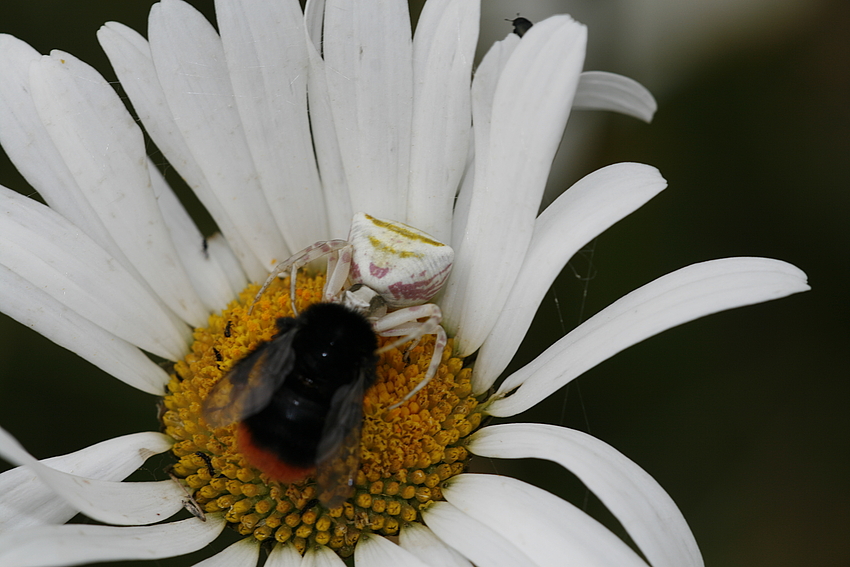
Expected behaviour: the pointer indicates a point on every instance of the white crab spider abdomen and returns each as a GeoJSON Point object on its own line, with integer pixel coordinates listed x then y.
{"type": "Point", "coordinates": [404, 265]}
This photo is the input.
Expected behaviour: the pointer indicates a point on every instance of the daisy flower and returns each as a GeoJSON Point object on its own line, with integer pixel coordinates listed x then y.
{"type": "Point", "coordinates": [285, 124]}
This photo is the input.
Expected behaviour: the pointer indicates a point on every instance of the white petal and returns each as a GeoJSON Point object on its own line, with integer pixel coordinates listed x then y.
{"type": "Point", "coordinates": [367, 51]}
{"type": "Point", "coordinates": [189, 61]}
{"type": "Point", "coordinates": [378, 551]}
{"type": "Point", "coordinates": [220, 252]}
{"type": "Point", "coordinates": [243, 553]}
{"type": "Point", "coordinates": [208, 279]}
{"type": "Point", "coordinates": [32, 151]}
{"type": "Point", "coordinates": [443, 51]}
{"type": "Point", "coordinates": [73, 544]}
{"type": "Point", "coordinates": [283, 556]}
{"type": "Point", "coordinates": [105, 151]}
{"type": "Point", "coordinates": [598, 90]}
{"type": "Point", "coordinates": [334, 183]}
{"type": "Point", "coordinates": [29, 502]}
{"type": "Point", "coordinates": [679, 297]}
{"type": "Point", "coordinates": [268, 68]}
{"type": "Point", "coordinates": [112, 459]}
{"type": "Point", "coordinates": [130, 56]}
{"type": "Point", "coordinates": [483, 89]}
{"type": "Point", "coordinates": [56, 257]}
{"type": "Point", "coordinates": [314, 21]}
{"type": "Point", "coordinates": [424, 544]}
{"type": "Point", "coordinates": [464, 194]}
{"type": "Point", "coordinates": [644, 509]}
{"type": "Point", "coordinates": [321, 556]}
{"type": "Point", "coordinates": [578, 215]}
{"type": "Point", "coordinates": [479, 543]}
{"type": "Point", "coordinates": [34, 308]}
{"type": "Point", "coordinates": [107, 501]}
{"type": "Point", "coordinates": [549, 530]}
{"type": "Point", "coordinates": [530, 109]}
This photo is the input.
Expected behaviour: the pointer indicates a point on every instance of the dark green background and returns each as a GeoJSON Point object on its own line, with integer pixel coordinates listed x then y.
{"type": "Point", "coordinates": [742, 416]}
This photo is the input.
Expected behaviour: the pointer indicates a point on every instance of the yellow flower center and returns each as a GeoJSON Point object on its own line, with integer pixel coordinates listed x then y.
{"type": "Point", "coordinates": [405, 453]}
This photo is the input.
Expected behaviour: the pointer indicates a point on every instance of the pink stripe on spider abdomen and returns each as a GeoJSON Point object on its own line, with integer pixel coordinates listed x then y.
{"type": "Point", "coordinates": [378, 272]}
{"type": "Point", "coordinates": [419, 289]}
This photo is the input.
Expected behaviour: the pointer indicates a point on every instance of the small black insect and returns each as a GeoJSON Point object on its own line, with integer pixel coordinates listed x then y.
{"type": "Point", "coordinates": [205, 248]}
{"type": "Point", "coordinates": [227, 329]}
{"type": "Point", "coordinates": [298, 399]}
{"type": "Point", "coordinates": [217, 354]}
{"type": "Point", "coordinates": [521, 25]}
{"type": "Point", "coordinates": [207, 461]}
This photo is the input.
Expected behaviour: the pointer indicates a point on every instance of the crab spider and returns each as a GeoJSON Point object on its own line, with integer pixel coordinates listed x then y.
{"type": "Point", "coordinates": [393, 270]}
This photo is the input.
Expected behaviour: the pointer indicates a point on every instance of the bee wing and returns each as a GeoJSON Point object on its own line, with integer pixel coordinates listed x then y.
{"type": "Point", "coordinates": [338, 453]}
{"type": "Point", "coordinates": [249, 386]}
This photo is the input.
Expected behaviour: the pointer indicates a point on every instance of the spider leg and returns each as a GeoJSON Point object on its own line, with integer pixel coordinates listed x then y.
{"type": "Point", "coordinates": [433, 366]}
{"type": "Point", "coordinates": [404, 323]}
{"type": "Point", "coordinates": [294, 263]}
{"type": "Point", "coordinates": [408, 332]}
{"type": "Point", "coordinates": [339, 264]}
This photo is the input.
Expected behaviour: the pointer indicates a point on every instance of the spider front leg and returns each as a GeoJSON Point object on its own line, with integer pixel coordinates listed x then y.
{"type": "Point", "coordinates": [405, 323]}
{"type": "Point", "coordinates": [339, 264]}
{"type": "Point", "coordinates": [296, 262]}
